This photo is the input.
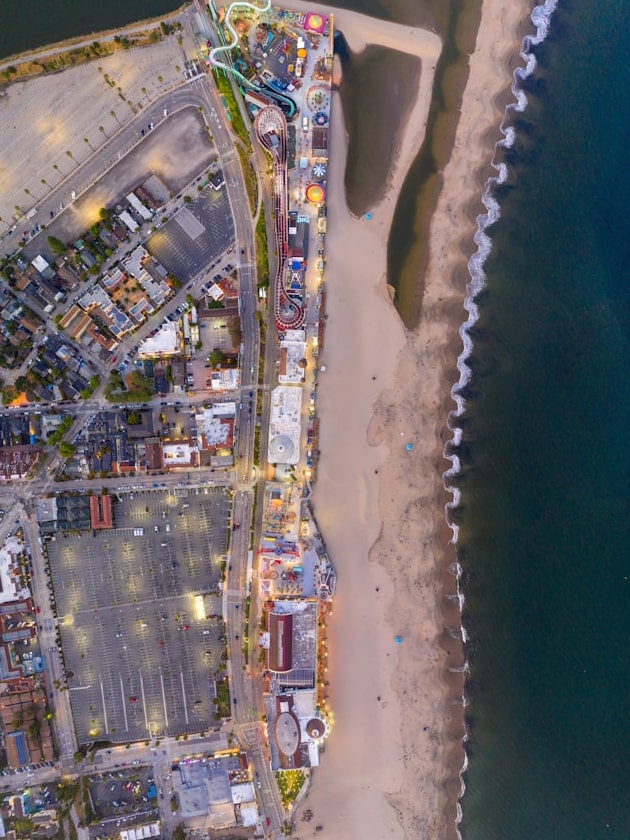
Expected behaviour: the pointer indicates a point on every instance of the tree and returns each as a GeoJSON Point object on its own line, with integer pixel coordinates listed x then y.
{"type": "Point", "coordinates": [56, 245]}
{"type": "Point", "coordinates": [87, 143]}
{"type": "Point", "coordinates": [66, 449]}
{"type": "Point", "coordinates": [23, 825]}
{"type": "Point", "coordinates": [216, 357]}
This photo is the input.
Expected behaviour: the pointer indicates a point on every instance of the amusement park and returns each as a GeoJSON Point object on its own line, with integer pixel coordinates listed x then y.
{"type": "Point", "coordinates": [281, 61]}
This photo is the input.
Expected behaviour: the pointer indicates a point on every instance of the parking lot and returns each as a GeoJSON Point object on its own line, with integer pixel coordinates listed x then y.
{"type": "Point", "coordinates": [123, 793]}
{"type": "Point", "coordinates": [139, 614]}
{"type": "Point", "coordinates": [195, 236]}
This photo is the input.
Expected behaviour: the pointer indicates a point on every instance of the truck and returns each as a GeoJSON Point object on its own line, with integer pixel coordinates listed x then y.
{"type": "Point", "coordinates": [304, 124]}
{"type": "Point", "coordinates": [32, 212]}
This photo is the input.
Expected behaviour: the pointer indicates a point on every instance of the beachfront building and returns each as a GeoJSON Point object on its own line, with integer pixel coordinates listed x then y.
{"type": "Point", "coordinates": [292, 357]}
{"type": "Point", "coordinates": [294, 728]}
{"type": "Point", "coordinates": [291, 644]}
{"type": "Point", "coordinates": [285, 425]}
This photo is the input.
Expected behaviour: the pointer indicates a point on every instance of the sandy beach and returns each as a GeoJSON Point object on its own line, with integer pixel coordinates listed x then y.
{"type": "Point", "coordinates": [390, 769]}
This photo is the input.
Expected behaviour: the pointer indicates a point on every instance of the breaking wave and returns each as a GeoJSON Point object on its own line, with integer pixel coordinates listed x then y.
{"type": "Point", "coordinates": [541, 18]}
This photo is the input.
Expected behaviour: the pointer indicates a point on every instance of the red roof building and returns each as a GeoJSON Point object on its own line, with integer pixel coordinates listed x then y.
{"type": "Point", "coordinates": [101, 512]}
{"type": "Point", "coordinates": [280, 642]}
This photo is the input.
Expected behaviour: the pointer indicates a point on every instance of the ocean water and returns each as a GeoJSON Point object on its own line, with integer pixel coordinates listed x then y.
{"type": "Point", "coordinates": [545, 456]}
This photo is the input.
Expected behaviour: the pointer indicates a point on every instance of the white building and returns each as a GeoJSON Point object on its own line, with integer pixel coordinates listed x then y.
{"type": "Point", "coordinates": [165, 343]}
{"type": "Point", "coordinates": [292, 357]}
{"type": "Point", "coordinates": [130, 223]}
{"type": "Point", "coordinates": [285, 425]}
{"type": "Point", "coordinates": [139, 207]}
{"type": "Point", "coordinates": [226, 379]}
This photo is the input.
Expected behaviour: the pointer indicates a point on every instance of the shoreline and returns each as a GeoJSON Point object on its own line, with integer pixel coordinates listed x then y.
{"type": "Point", "coordinates": [395, 762]}
{"type": "Point", "coordinates": [532, 31]}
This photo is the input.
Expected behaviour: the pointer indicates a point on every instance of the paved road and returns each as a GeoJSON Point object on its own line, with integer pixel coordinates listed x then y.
{"type": "Point", "coordinates": [59, 701]}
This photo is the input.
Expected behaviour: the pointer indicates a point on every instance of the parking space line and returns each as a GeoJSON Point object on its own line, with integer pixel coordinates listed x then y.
{"type": "Point", "coordinates": [144, 701]}
{"type": "Point", "coordinates": [164, 699]}
{"type": "Point", "coordinates": [181, 674]}
{"type": "Point", "coordinates": [122, 693]}
{"type": "Point", "coordinates": [104, 709]}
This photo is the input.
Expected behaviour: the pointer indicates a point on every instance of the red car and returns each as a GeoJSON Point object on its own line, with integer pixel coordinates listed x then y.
{"type": "Point", "coordinates": [133, 699]}
{"type": "Point", "coordinates": [186, 627]}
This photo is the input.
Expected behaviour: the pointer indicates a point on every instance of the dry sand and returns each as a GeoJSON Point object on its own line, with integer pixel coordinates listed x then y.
{"type": "Point", "coordinates": [390, 766]}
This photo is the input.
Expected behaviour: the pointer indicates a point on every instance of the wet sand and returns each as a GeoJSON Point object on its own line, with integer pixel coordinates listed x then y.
{"type": "Point", "coordinates": [391, 765]}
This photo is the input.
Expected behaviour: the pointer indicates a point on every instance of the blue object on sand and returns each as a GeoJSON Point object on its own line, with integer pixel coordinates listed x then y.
{"type": "Point", "coordinates": [368, 216]}
{"type": "Point", "coordinates": [409, 447]}
{"type": "Point", "coordinates": [398, 640]}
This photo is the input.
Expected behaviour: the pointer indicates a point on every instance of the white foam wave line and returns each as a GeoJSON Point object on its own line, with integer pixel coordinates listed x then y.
{"type": "Point", "coordinates": [541, 19]}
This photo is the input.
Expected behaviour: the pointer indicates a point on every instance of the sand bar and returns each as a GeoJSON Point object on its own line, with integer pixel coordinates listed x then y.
{"type": "Point", "coordinates": [395, 742]}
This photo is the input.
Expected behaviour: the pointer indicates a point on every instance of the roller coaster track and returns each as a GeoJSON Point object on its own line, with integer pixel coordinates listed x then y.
{"type": "Point", "coordinates": [270, 126]}
{"type": "Point", "coordinates": [228, 67]}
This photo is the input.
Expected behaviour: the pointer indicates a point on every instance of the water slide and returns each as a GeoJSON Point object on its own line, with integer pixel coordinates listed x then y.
{"type": "Point", "coordinates": [285, 102]}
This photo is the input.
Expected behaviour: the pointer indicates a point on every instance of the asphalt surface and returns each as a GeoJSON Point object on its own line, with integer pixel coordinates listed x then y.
{"type": "Point", "coordinates": [135, 640]}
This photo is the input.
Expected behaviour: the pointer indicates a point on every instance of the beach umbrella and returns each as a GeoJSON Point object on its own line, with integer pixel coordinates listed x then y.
{"type": "Point", "coordinates": [409, 447]}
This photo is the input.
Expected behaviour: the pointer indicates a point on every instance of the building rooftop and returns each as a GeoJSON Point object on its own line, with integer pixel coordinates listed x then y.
{"type": "Point", "coordinates": [166, 342]}
{"type": "Point", "coordinates": [101, 512]}
{"type": "Point", "coordinates": [292, 358]}
{"type": "Point", "coordinates": [285, 425]}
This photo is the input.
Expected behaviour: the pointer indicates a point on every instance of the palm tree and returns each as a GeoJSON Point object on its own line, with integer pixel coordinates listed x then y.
{"type": "Point", "coordinates": [102, 130]}
{"type": "Point", "coordinates": [28, 192]}
{"type": "Point", "coordinates": [113, 114]}
{"type": "Point", "coordinates": [71, 156]}
{"type": "Point", "coordinates": [44, 181]}
{"type": "Point", "coordinates": [87, 143]}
